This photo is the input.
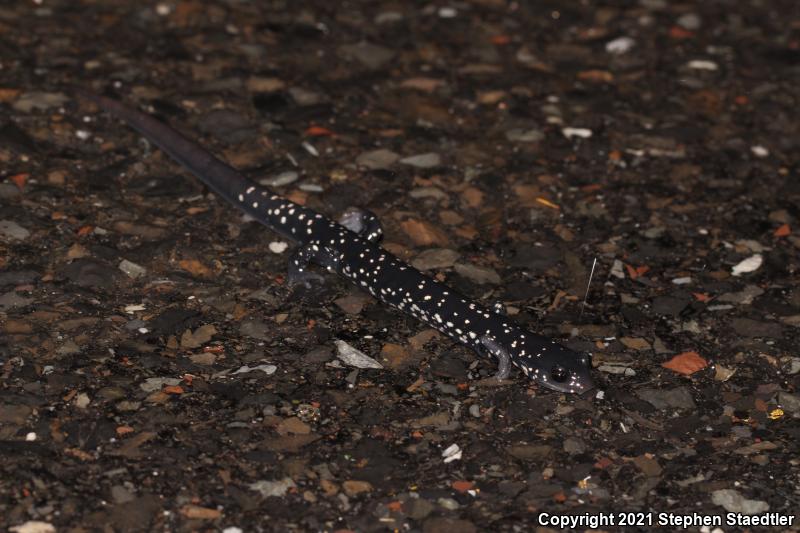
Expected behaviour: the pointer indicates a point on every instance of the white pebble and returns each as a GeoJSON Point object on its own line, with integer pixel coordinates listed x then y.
{"type": "Point", "coordinates": [447, 12]}
{"type": "Point", "coordinates": [82, 134]}
{"type": "Point", "coordinates": [353, 357]}
{"type": "Point", "coordinates": [30, 437]}
{"type": "Point", "coordinates": [452, 453]}
{"type": "Point", "coordinates": [620, 45]}
{"type": "Point", "coordinates": [759, 151]}
{"type": "Point", "coordinates": [583, 133]}
{"type": "Point", "coordinates": [702, 64]}
{"type": "Point", "coordinates": [278, 247]}
{"type": "Point", "coordinates": [130, 309]}
{"type": "Point", "coordinates": [750, 264]}
{"type": "Point", "coordinates": [682, 281]}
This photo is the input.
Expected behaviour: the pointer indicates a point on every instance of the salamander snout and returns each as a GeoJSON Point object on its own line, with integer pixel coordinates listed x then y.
{"type": "Point", "coordinates": [565, 371]}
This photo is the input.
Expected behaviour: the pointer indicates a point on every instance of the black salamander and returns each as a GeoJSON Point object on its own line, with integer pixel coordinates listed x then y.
{"type": "Point", "coordinates": [350, 248]}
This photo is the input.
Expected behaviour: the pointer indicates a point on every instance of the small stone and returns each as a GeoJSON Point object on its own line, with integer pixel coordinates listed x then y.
{"type": "Point", "coordinates": [377, 159]}
{"type": "Point", "coordinates": [279, 180]}
{"type": "Point", "coordinates": [267, 369]}
{"type": "Point", "coordinates": [734, 502]}
{"type": "Point", "coordinates": [524, 136]}
{"type": "Point", "coordinates": [743, 297]}
{"type": "Point", "coordinates": [751, 264]}
{"type": "Point", "coordinates": [39, 101]}
{"type": "Point", "coordinates": [354, 487]}
{"type": "Point", "coordinates": [11, 299]}
{"type": "Point", "coordinates": [12, 230]}
{"type": "Point", "coordinates": [478, 274]}
{"type": "Point", "coordinates": [278, 247]}
{"type": "Point", "coordinates": [702, 64]}
{"type": "Point", "coordinates": [690, 21]}
{"type": "Point", "coordinates": [197, 338]}
{"type": "Point", "coordinates": [156, 384]}
{"type": "Point", "coordinates": [427, 160]}
{"type": "Point", "coordinates": [352, 304]}
{"type": "Point", "coordinates": [353, 357]}
{"type": "Point", "coordinates": [435, 259]}
{"type": "Point", "coordinates": [678, 398]}
{"type": "Point", "coordinates": [789, 402]}
{"type": "Point", "coordinates": [33, 526]}
{"type": "Point", "coordinates": [132, 270]}
{"type": "Point", "coordinates": [583, 133]}
{"type": "Point", "coordinates": [759, 151]}
{"type": "Point", "coordinates": [747, 327]}
{"type": "Point", "coordinates": [256, 329]}
{"type": "Point", "coordinates": [270, 489]}
{"type": "Point", "coordinates": [620, 45]}
{"type": "Point", "coordinates": [370, 55]}
{"type": "Point", "coordinates": [82, 400]}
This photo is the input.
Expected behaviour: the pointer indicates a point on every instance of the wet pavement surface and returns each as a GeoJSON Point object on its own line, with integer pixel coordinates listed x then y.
{"type": "Point", "coordinates": [156, 372]}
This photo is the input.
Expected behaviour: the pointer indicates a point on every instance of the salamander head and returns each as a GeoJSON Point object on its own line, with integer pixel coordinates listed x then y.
{"type": "Point", "coordinates": [560, 369]}
{"type": "Point", "coordinates": [544, 361]}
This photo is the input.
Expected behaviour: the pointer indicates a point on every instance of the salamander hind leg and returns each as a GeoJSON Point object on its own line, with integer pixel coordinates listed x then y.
{"type": "Point", "coordinates": [501, 354]}
{"type": "Point", "coordinates": [303, 257]}
{"type": "Point", "coordinates": [362, 222]}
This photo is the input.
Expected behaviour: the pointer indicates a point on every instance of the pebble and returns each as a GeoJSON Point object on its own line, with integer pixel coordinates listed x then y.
{"type": "Point", "coordinates": [620, 45]}
{"type": "Point", "coordinates": [305, 97]}
{"type": "Point", "coordinates": [354, 357]}
{"type": "Point", "coordinates": [452, 453]}
{"type": "Point", "coordinates": [734, 502]}
{"type": "Point", "coordinates": [369, 55]}
{"type": "Point", "coordinates": [743, 297]}
{"type": "Point", "coordinates": [427, 160]}
{"type": "Point", "coordinates": [278, 247]}
{"type": "Point", "coordinates": [682, 281]}
{"type": "Point", "coordinates": [751, 264]}
{"type": "Point", "coordinates": [266, 368]}
{"type": "Point", "coordinates": [270, 489]}
{"type": "Point", "coordinates": [377, 159]}
{"type": "Point", "coordinates": [702, 64]}
{"type": "Point", "coordinates": [789, 402]}
{"type": "Point", "coordinates": [156, 384]}
{"type": "Point", "coordinates": [256, 329]}
{"type": "Point", "coordinates": [678, 398]}
{"type": "Point", "coordinates": [12, 230]}
{"type": "Point", "coordinates": [690, 21]}
{"type": "Point", "coordinates": [759, 151]}
{"type": "Point", "coordinates": [435, 259]}
{"type": "Point", "coordinates": [583, 133]}
{"type": "Point", "coordinates": [447, 12]}
{"type": "Point", "coordinates": [524, 136]}
{"type": "Point", "coordinates": [91, 274]}
{"type": "Point", "coordinates": [39, 100]}
{"type": "Point", "coordinates": [279, 180]}
{"type": "Point", "coordinates": [478, 274]}
{"type": "Point", "coordinates": [747, 327]}
{"type": "Point", "coordinates": [8, 191]}
{"type": "Point", "coordinates": [132, 270]}
{"type": "Point", "coordinates": [11, 300]}
{"type": "Point", "coordinates": [33, 526]}
{"type": "Point", "coordinates": [618, 269]}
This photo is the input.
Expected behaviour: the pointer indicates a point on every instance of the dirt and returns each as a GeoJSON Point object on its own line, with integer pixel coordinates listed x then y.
{"type": "Point", "coordinates": [156, 373]}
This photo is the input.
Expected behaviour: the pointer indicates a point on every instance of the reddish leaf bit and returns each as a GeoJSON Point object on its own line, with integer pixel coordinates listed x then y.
{"type": "Point", "coordinates": [19, 180]}
{"type": "Point", "coordinates": [463, 486]}
{"type": "Point", "coordinates": [686, 363]}
{"type": "Point", "coordinates": [783, 231]}
{"type": "Point", "coordinates": [319, 131]}
{"type": "Point", "coordinates": [701, 296]}
{"type": "Point", "coordinates": [635, 272]}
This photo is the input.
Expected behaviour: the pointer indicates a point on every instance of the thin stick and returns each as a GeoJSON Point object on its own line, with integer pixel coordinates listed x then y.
{"type": "Point", "coordinates": [585, 296]}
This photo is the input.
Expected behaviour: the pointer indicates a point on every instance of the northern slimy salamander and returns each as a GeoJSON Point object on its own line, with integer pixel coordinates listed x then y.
{"type": "Point", "coordinates": [350, 248]}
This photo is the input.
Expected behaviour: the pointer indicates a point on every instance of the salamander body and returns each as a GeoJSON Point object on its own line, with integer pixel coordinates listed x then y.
{"type": "Point", "coordinates": [350, 248]}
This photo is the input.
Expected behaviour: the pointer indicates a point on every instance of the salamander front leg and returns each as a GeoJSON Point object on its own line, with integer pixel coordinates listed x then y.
{"type": "Point", "coordinates": [501, 354]}
{"type": "Point", "coordinates": [363, 222]}
{"type": "Point", "coordinates": [302, 258]}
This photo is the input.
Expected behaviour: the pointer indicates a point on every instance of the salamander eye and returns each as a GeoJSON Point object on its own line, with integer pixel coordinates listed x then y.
{"type": "Point", "coordinates": [559, 374]}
